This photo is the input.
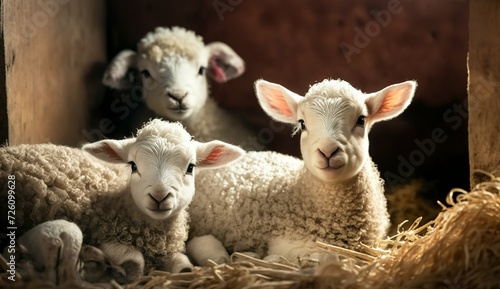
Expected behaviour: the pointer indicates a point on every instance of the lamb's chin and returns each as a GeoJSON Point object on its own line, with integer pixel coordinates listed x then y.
{"type": "Point", "coordinates": [176, 114]}
{"type": "Point", "coordinates": [159, 215]}
{"type": "Point", "coordinates": [333, 175]}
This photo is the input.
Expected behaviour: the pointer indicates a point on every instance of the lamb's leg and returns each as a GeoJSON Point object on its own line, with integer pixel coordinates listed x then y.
{"type": "Point", "coordinates": [126, 257]}
{"type": "Point", "coordinates": [48, 258]}
{"type": "Point", "coordinates": [179, 263]}
{"type": "Point", "coordinates": [69, 257]}
{"type": "Point", "coordinates": [296, 250]}
{"type": "Point", "coordinates": [202, 248]}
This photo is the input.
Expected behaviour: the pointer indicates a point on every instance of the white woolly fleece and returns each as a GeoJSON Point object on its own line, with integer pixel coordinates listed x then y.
{"type": "Point", "coordinates": [266, 194]}
{"type": "Point", "coordinates": [59, 182]}
{"type": "Point", "coordinates": [164, 42]}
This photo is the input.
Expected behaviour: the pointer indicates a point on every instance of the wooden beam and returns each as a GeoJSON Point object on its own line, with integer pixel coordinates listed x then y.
{"type": "Point", "coordinates": [4, 120]}
{"type": "Point", "coordinates": [484, 87]}
{"type": "Point", "coordinates": [51, 52]}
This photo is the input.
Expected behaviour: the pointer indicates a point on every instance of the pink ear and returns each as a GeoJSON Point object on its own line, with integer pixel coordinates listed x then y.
{"type": "Point", "coordinates": [223, 64]}
{"type": "Point", "coordinates": [113, 151]}
{"type": "Point", "coordinates": [390, 101]}
{"type": "Point", "coordinates": [277, 101]}
{"type": "Point", "coordinates": [216, 71]}
{"type": "Point", "coordinates": [216, 154]}
{"type": "Point", "coordinates": [107, 150]}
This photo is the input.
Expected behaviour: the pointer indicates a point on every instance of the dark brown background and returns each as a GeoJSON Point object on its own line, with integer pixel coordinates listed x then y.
{"type": "Point", "coordinates": [296, 43]}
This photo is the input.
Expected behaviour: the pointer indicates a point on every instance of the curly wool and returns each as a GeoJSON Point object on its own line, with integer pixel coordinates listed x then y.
{"type": "Point", "coordinates": [267, 194]}
{"type": "Point", "coordinates": [164, 42]}
{"type": "Point", "coordinates": [58, 182]}
{"type": "Point", "coordinates": [172, 131]}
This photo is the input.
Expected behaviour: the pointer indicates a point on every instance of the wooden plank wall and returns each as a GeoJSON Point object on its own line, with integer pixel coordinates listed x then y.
{"type": "Point", "coordinates": [52, 49]}
{"type": "Point", "coordinates": [484, 87]}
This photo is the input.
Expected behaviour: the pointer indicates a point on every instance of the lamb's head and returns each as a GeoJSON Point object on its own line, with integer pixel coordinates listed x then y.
{"type": "Point", "coordinates": [173, 64]}
{"type": "Point", "coordinates": [162, 159]}
{"type": "Point", "coordinates": [334, 119]}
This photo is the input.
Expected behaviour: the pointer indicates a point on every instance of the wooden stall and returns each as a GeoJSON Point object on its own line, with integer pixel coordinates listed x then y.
{"type": "Point", "coordinates": [484, 87]}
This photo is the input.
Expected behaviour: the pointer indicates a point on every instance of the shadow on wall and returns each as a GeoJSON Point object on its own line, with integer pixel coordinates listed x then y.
{"type": "Point", "coordinates": [370, 43]}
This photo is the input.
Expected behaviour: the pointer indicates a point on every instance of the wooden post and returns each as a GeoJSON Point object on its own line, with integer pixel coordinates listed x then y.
{"type": "Point", "coordinates": [484, 87]}
{"type": "Point", "coordinates": [50, 52]}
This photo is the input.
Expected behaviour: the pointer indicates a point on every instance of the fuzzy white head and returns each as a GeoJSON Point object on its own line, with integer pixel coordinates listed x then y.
{"type": "Point", "coordinates": [162, 160]}
{"type": "Point", "coordinates": [334, 119]}
{"type": "Point", "coordinates": [173, 65]}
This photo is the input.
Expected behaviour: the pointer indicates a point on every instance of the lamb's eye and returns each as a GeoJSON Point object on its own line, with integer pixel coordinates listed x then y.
{"type": "Point", "coordinates": [302, 124]}
{"type": "Point", "coordinates": [146, 73]}
{"type": "Point", "coordinates": [133, 166]}
{"type": "Point", "coordinates": [190, 169]}
{"type": "Point", "coordinates": [361, 120]}
{"type": "Point", "coordinates": [201, 70]}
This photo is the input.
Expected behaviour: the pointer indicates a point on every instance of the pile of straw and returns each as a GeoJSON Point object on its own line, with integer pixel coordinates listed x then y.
{"type": "Point", "coordinates": [459, 249]}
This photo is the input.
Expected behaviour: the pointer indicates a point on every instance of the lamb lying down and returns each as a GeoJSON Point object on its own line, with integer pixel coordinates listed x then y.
{"type": "Point", "coordinates": [139, 203]}
{"type": "Point", "coordinates": [275, 204]}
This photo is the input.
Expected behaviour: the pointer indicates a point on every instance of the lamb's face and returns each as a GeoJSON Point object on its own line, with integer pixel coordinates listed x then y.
{"type": "Point", "coordinates": [173, 64]}
{"type": "Point", "coordinates": [162, 177]}
{"type": "Point", "coordinates": [334, 134]}
{"type": "Point", "coordinates": [175, 87]}
{"type": "Point", "coordinates": [162, 160]}
{"type": "Point", "coordinates": [334, 119]}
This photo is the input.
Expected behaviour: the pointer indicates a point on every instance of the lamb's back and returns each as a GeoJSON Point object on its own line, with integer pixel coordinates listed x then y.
{"type": "Point", "coordinates": [53, 181]}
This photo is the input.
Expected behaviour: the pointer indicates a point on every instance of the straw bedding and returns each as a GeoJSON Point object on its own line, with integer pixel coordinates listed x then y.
{"type": "Point", "coordinates": [459, 249]}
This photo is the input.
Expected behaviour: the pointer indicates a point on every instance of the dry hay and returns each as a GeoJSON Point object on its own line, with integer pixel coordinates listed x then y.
{"type": "Point", "coordinates": [406, 202]}
{"type": "Point", "coordinates": [460, 249]}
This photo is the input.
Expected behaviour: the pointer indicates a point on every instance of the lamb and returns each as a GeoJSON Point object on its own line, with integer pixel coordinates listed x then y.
{"type": "Point", "coordinates": [49, 251]}
{"type": "Point", "coordinates": [139, 203]}
{"type": "Point", "coordinates": [173, 64]}
{"type": "Point", "coordinates": [277, 205]}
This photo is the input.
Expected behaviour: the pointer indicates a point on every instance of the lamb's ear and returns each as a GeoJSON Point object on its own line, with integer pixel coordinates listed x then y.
{"type": "Point", "coordinates": [215, 154]}
{"type": "Point", "coordinates": [390, 101]}
{"type": "Point", "coordinates": [113, 151]}
{"type": "Point", "coordinates": [278, 102]}
{"type": "Point", "coordinates": [223, 63]}
{"type": "Point", "coordinates": [118, 73]}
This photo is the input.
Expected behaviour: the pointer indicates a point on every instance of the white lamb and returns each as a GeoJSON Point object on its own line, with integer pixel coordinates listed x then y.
{"type": "Point", "coordinates": [275, 204]}
{"type": "Point", "coordinates": [150, 215]}
{"type": "Point", "coordinates": [173, 65]}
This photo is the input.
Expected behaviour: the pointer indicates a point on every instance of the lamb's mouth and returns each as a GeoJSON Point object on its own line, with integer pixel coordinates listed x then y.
{"type": "Point", "coordinates": [159, 211]}
{"type": "Point", "coordinates": [332, 169]}
{"type": "Point", "coordinates": [181, 109]}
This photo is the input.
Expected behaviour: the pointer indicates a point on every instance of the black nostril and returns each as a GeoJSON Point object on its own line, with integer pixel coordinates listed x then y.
{"type": "Point", "coordinates": [168, 196]}
{"type": "Point", "coordinates": [322, 153]}
{"type": "Point", "coordinates": [334, 152]}
{"type": "Point", "coordinates": [177, 97]}
{"type": "Point", "coordinates": [158, 199]}
{"type": "Point", "coordinates": [154, 199]}
{"type": "Point", "coordinates": [174, 97]}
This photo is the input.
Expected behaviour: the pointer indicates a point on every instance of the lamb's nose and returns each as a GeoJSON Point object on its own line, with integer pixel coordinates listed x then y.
{"type": "Point", "coordinates": [160, 197]}
{"type": "Point", "coordinates": [328, 153]}
{"type": "Point", "coordinates": [177, 96]}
